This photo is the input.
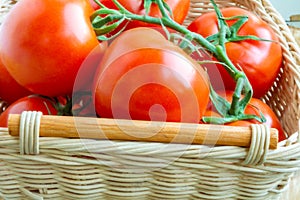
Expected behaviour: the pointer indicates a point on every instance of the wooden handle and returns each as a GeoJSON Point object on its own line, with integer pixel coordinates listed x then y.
{"type": "Point", "coordinates": [133, 130]}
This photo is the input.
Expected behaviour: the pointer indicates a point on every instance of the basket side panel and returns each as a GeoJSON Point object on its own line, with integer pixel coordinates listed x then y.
{"type": "Point", "coordinates": [284, 95]}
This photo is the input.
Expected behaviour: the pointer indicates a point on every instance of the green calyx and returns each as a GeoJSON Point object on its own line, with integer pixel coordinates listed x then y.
{"type": "Point", "coordinates": [105, 21]}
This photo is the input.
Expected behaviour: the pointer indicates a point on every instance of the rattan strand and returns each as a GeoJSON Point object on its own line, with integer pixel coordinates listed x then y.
{"type": "Point", "coordinates": [29, 132]}
{"type": "Point", "coordinates": [29, 138]}
{"type": "Point", "coordinates": [119, 164]}
{"type": "Point", "coordinates": [82, 169]}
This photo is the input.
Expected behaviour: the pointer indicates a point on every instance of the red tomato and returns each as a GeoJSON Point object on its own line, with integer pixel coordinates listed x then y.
{"type": "Point", "coordinates": [94, 4]}
{"type": "Point", "coordinates": [179, 9]}
{"type": "Point", "coordinates": [28, 103]}
{"type": "Point", "coordinates": [260, 60]}
{"type": "Point", "coordinates": [254, 107]}
{"type": "Point", "coordinates": [45, 47]}
{"type": "Point", "coordinates": [10, 90]}
{"type": "Point", "coordinates": [149, 79]}
{"type": "Point", "coordinates": [107, 3]}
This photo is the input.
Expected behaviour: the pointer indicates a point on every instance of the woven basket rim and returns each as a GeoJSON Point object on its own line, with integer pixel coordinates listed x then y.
{"type": "Point", "coordinates": [267, 6]}
{"type": "Point", "coordinates": [125, 168]}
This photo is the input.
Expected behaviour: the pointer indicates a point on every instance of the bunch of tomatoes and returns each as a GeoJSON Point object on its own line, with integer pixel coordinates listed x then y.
{"type": "Point", "coordinates": [51, 60]}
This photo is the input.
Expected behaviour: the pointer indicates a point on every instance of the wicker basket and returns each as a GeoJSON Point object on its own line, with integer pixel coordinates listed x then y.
{"type": "Point", "coordinates": [294, 26]}
{"type": "Point", "coordinates": [102, 169]}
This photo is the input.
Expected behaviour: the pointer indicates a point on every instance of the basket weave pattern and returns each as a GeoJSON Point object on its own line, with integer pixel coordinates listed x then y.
{"type": "Point", "coordinates": [99, 169]}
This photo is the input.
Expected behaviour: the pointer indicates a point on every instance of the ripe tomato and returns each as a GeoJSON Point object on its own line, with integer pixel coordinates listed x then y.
{"type": "Point", "coordinates": [45, 42]}
{"type": "Point", "coordinates": [149, 79]}
{"type": "Point", "coordinates": [179, 9]}
{"type": "Point", "coordinates": [28, 103]}
{"type": "Point", "coordinates": [260, 60]}
{"type": "Point", "coordinates": [254, 107]}
{"type": "Point", "coordinates": [10, 90]}
{"type": "Point", "coordinates": [107, 3]}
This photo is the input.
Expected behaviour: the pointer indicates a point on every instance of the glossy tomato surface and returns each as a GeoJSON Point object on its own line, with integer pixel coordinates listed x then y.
{"type": "Point", "coordinates": [10, 90]}
{"type": "Point", "coordinates": [28, 103]}
{"type": "Point", "coordinates": [43, 43]}
{"type": "Point", "coordinates": [260, 60]}
{"type": "Point", "coordinates": [149, 80]}
{"type": "Point", "coordinates": [255, 107]}
{"type": "Point", "coordinates": [179, 9]}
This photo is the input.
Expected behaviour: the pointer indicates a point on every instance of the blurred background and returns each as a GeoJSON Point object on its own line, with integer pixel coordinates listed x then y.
{"type": "Point", "coordinates": [290, 11]}
{"type": "Point", "coordinates": [287, 8]}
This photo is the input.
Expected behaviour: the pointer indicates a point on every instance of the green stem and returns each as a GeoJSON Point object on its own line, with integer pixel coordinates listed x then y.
{"type": "Point", "coordinates": [162, 9]}
{"type": "Point", "coordinates": [218, 50]}
{"type": "Point", "coordinates": [235, 106]}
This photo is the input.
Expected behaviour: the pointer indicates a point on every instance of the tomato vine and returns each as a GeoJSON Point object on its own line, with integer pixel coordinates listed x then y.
{"type": "Point", "coordinates": [106, 20]}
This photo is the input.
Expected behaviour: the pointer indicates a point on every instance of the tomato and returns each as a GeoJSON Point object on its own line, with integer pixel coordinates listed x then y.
{"type": "Point", "coordinates": [45, 43]}
{"type": "Point", "coordinates": [149, 79]}
{"type": "Point", "coordinates": [10, 90]}
{"type": "Point", "coordinates": [179, 9]}
{"type": "Point", "coordinates": [28, 103]}
{"type": "Point", "coordinates": [255, 107]}
{"type": "Point", "coordinates": [94, 4]}
{"type": "Point", "coordinates": [107, 3]}
{"type": "Point", "coordinates": [260, 60]}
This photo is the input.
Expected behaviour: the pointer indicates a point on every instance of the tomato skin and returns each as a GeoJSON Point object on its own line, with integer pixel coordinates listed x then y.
{"type": "Point", "coordinates": [149, 80]}
{"type": "Point", "coordinates": [45, 42]}
{"type": "Point", "coordinates": [10, 90]}
{"type": "Point", "coordinates": [28, 103]}
{"type": "Point", "coordinates": [94, 4]}
{"type": "Point", "coordinates": [107, 3]}
{"type": "Point", "coordinates": [179, 9]}
{"type": "Point", "coordinates": [254, 107]}
{"type": "Point", "coordinates": [260, 60]}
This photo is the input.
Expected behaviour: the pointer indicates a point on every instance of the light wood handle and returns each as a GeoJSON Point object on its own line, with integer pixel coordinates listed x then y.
{"type": "Point", "coordinates": [133, 130]}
